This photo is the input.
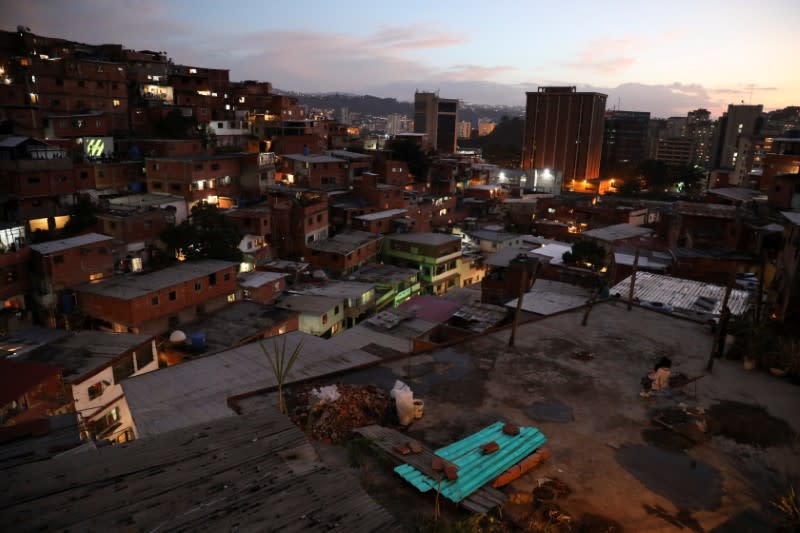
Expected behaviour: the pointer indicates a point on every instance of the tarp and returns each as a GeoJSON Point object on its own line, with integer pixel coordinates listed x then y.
{"type": "Point", "coordinates": [474, 468]}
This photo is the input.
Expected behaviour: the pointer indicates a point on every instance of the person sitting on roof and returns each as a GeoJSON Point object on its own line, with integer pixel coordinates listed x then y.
{"type": "Point", "coordinates": [658, 379]}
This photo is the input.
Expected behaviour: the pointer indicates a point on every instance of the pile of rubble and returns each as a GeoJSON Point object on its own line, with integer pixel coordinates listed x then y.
{"type": "Point", "coordinates": [329, 414]}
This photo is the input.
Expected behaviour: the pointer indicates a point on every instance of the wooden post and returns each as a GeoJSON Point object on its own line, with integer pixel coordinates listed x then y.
{"type": "Point", "coordinates": [592, 299]}
{"type": "Point", "coordinates": [722, 328]}
{"type": "Point", "coordinates": [523, 285]}
{"type": "Point", "coordinates": [633, 279]}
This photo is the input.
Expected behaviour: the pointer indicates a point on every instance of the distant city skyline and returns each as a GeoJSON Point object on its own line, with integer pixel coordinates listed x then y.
{"type": "Point", "coordinates": [644, 56]}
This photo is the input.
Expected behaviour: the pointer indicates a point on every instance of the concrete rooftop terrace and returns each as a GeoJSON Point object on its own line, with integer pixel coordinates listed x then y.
{"type": "Point", "coordinates": [593, 374]}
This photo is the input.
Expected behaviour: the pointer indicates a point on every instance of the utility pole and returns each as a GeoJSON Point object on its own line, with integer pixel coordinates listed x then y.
{"type": "Point", "coordinates": [718, 346]}
{"type": "Point", "coordinates": [529, 266]}
{"type": "Point", "coordinates": [633, 279]}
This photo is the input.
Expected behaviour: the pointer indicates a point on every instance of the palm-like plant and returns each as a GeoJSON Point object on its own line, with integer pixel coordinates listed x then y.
{"type": "Point", "coordinates": [281, 365]}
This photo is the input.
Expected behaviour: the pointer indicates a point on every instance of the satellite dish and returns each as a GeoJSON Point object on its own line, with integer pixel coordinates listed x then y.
{"type": "Point", "coordinates": [177, 337]}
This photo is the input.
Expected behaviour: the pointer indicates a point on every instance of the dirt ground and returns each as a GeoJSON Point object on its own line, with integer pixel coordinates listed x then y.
{"type": "Point", "coordinates": [579, 386]}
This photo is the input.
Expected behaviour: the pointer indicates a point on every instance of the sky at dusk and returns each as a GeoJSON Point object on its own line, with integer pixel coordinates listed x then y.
{"type": "Point", "coordinates": [662, 57]}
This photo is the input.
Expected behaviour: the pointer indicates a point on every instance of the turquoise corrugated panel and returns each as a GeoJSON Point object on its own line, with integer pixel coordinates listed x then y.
{"type": "Point", "coordinates": [474, 468]}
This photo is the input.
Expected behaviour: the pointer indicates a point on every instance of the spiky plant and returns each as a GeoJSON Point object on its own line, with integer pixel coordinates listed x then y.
{"type": "Point", "coordinates": [281, 365]}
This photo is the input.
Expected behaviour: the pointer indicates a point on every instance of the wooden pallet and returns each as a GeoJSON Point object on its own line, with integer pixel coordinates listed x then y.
{"type": "Point", "coordinates": [482, 500]}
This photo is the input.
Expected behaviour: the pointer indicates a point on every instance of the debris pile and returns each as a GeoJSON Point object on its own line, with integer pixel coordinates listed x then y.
{"type": "Point", "coordinates": [537, 510]}
{"type": "Point", "coordinates": [330, 415]}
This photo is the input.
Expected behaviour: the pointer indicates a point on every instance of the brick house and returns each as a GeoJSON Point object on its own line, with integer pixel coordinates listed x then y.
{"type": "Point", "coordinates": [345, 252]}
{"type": "Point", "coordinates": [262, 287]}
{"type": "Point", "coordinates": [299, 218]}
{"type": "Point", "coordinates": [158, 301]}
{"type": "Point", "coordinates": [213, 178]}
{"type": "Point", "coordinates": [94, 364]}
{"type": "Point", "coordinates": [29, 391]}
{"type": "Point", "coordinates": [316, 171]}
{"type": "Point", "coordinates": [58, 266]}
{"type": "Point", "coordinates": [433, 254]}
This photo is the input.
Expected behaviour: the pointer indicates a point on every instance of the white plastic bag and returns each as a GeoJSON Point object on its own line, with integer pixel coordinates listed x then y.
{"type": "Point", "coordinates": [327, 394]}
{"type": "Point", "coordinates": [404, 401]}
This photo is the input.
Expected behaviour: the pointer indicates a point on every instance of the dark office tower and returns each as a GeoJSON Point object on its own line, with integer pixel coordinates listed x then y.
{"type": "Point", "coordinates": [700, 129]}
{"type": "Point", "coordinates": [739, 121]}
{"type": "Point", "coordinates": [564, 132]}
{"type": "Point", "coordinates": [624, 142]}
{"type": "Point", "coordinates": [438, 119]}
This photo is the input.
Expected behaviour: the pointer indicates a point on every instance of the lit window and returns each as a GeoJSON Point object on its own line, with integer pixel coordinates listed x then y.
{"type": "Point", "coordinates": [192, 71]}
{"type": "Point", "coordinates": [241, 99]}
{"type": "Point", "coordinates": [231, 298]}
{"type": "Point", "coordinates": [115, 102]}
{"type": "Point", "coordinates": [34, 98]}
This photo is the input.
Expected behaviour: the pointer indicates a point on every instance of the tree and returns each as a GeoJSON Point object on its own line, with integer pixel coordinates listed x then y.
{"type": "Point", "coordinates": [586, 253]}
{"type": "Point", "coordinates": [208, 234]}
{"type": "Point", "coordinates": [281, 365]}
{"type": "Point", "coordinates": [416, 159]}
{"type": "Point", "coordinates": [655, 173]}
{"type": "Point", "coordinates": [630, 187]}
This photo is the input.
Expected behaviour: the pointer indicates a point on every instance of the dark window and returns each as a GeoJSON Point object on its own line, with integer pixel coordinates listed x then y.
{"type": "Point", "coordinates": [197, 286]}
{"type": "Point", "coordinates": [84, 175]}
{"type": "Point", "coordinates": [81, 83]}
{"type": "Point", "coordinates": [144, 356]}
{"type": "Point", "coordinates": [156, 184]}
{"type": "Point", "coordinates": [59, 83]}
{"type": "Point", "coordinates": [101, 84]}
{"type": "Point", "coordinates": [95, 390]}
{"type": "Point", "coordinates": [114, 85]}
{"type": "Point", "coordinates": [319, 218]}
{"type": "Point", "coordinates": [154, 300]}
{"type": "Point", "coordinates": [212, 279]}
{"type": "Point", "coordinates": [175, 186]}
{"type": "Point", "coordinates": [34, 180]}
{"type": "Point", "coordinates": [173, 296]}
{"type": "Point", "coordinates": [227, 276]}
{"type": "Point", "coordinates": [123, 368]}
{"type": "Point", "coordinates": [58, 260]}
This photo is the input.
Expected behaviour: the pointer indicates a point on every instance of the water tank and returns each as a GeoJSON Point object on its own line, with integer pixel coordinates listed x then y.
{"type": "Point", "coordinates": [198, 340]}
{"type": "Point", "coordinates": [177, 337]}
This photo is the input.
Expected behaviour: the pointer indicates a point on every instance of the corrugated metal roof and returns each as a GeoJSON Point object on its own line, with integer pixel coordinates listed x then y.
{"type": "Point", "coordinates": [196, 391]}
{"type": "Point", "coordinates": [792, 216]}
{"type": "Point", "coordinates": [51, 247]}
{"type": "Point", "coordinates": [617, 232]}
{"type": "Point", "coordinates": [133, 286]}
{"type": "Point", "coordinates": [684, 295]}
{"type": "Point", "coordinates": [548, 297]}
{"type": "Point", "coordinates": [474, 468]}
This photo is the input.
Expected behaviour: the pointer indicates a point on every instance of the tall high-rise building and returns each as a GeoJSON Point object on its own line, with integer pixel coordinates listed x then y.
{"type": "Point", "coordinates": [624, 142]}
{"type": "Point", "coordinates": [464, 129]}
{"type": "Point", "coordinates": [564, 132]}
{"type": "Point", "coordinates": [700, 129]}
{"type": "Point", "coordinates": [738, 121]}
{"type": "Point", "coordinates": [438, 119]}
{"type": "Point", "coordinates": [396, 124]}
